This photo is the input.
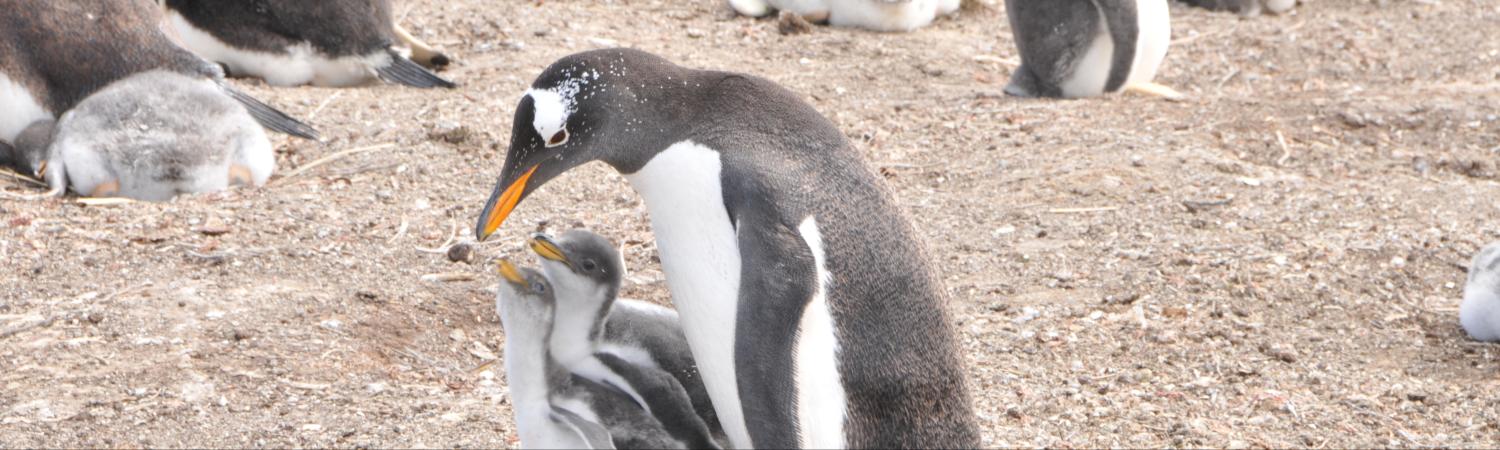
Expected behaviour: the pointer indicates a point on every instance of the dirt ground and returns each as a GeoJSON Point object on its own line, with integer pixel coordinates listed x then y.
{"type": "Point", "coordinates": [1275, 262]}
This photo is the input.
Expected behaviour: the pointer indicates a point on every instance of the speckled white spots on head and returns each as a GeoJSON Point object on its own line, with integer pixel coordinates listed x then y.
{"type": "Point", "coordinates": [554, 105]}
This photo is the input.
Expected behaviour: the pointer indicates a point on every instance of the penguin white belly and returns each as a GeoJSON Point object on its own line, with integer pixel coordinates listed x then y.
{"type": "Point", "coordinates": [20, 108]}
{"type": "Point", "coordinates": [1091, 72]}
{"type": "Point", "coordinates": [882, 15]}
{"type": "Point", "coordinates": [803, 7]}
{"type": "Point", "coordinates": [701, 256]}
{"type": "Point", "coordinates": [1480, 312]}
{"type": "Point", "coordinates": [821, 402]}
{"type": "Point", "coordinates": [1155, 25]}
{"type": "Point", "coordinates": [300, 65]}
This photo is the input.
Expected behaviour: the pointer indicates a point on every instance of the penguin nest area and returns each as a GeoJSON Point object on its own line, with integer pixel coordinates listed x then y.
{"type": "Point", "coordinates": [1275, 262]}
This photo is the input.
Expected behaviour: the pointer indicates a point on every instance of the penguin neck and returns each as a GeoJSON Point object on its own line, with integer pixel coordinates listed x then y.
{"type": "Point", "coordinates": [579, 321]}
{"type": "Point", "coordinates": [526, 361]}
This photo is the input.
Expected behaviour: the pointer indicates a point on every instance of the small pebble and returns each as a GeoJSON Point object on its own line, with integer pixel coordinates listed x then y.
{"type": "Point", "coordinates": [461, 252]}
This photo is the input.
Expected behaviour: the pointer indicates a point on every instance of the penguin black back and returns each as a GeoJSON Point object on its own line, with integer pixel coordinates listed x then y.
{"type": "Point", "coordinates": [334, 27]}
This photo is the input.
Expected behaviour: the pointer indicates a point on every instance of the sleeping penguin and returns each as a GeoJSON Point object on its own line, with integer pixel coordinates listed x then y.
{"type": "Point", "coordinates": [878, 15]}
{"type": "Point", "coordinates": [1085, 48]}
{"type": "Point", "coordinates": [585, 270]}
{"type": "Point", "coordinates": [296, 42]}
{"type": "Point", "coordinates": [1246, 8]}
{"type": "Point", "coordinates": [1480, 311]}
{"type": "Point", "coordinates": [150, 136]}
{"type": "Point", "coordinates": [555, 408]}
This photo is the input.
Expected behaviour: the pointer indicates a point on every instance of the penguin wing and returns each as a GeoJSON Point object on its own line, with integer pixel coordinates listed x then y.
{"type": "Point", "coordinates": [667, 400]}
{"type": "Point", "coordinates": [593, 434]}
{"type": "Point", "coordinates": [269, 116]}
{"type": "Point", "coordinates": [1123, 21]}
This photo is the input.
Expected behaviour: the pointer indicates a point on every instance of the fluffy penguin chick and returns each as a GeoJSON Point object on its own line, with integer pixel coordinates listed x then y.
{"type": "Point", "coordinates": [555, 408]}
{"type": "Point", "coordinates": [157, 134]}
{"type": "Point", "coordinates": [1480, 312]}
{"type": "Point", "coordinates": [879, 15]}
{"type": "Point", "coordinates": [587, 271]}
{"type": "Point", "coordinates": [295, 42]}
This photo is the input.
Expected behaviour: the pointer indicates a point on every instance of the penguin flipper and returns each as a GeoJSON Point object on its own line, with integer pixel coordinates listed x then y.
{"type": "Point", "coordinates": [405, 71]}
{"type": "Point", "coordinates": [1123, 22]}
{"type": "Point", "coordinates": [592, 434]}
{"type": "Point", "coordinates": [269, 116]}
{"type": "Point", "coordinates": [667, 400]}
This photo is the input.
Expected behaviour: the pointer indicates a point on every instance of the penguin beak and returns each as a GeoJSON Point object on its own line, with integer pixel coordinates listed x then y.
{"type": "Point", "coordinates": [511, 274]}
{"type": "Point", "coordinates": [500, 205]}
{"type": "Point", "coordinates": [543, 246]}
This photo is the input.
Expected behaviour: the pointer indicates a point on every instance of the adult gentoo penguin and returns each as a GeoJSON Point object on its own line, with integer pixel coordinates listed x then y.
{"type": "Point", "coordinates": [296, 42]}
{"type": "Point", "coordinates": [1480, 311]}
{"type": "Point", "coordinates": [804, 294]}
{"type": "Point", "coordinates": [53, 54]}
{"type": "Point", "coordinates": [554, 408]}
{"type": "Point", "coordinates": [151, 136]}
{"type": "Point", "coordinates": [1248, 8]}
{"type": "Point", "coordinates": [879, 15]}
{"type": "Point", "coordinates": [586, 270]}
{"type": "Point", "coordinates": [1084, 48]}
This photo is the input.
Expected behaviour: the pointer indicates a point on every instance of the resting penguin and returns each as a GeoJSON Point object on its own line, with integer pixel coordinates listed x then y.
{"type": "Point", "coordinates": [296, 42]}
{"type": "Point", "coordinates": [879, 15]}
{"type": "Point", "coordinates": [1480, 311]}
{"type": "Point", "coordinates": [586, 270]}
{"type": "Point", "coordinates": [554, 408]}
{"type": "Point", "coordinates": [804, 293]}
{"type": "Point", "coordinates": [1247, 8]}
{"type": "Point", "coordinates": [53, 54]}
{"type": "Point", "coordinates": [154, 135]}
{"type": "Point", "coordinates": [1085, 48]}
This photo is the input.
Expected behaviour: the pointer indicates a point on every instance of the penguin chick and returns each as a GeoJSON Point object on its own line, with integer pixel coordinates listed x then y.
{"type": "Point", "coordinates": [1245, 8]}
{"type": "Point", "coordinates": [587, 270]}
{"type": "Point", "coordinates": [878, 15]}
{"type": "Point", "coordinates": [157, 134]}
{"type": "Point", "coordinates": [295, 42]}
{"type": "Point", "coordinates": [29, 154]}
{"type": "Point", "coordinates": [1480, 311]}
{"type": "Point", "coordinates": [553, 407]}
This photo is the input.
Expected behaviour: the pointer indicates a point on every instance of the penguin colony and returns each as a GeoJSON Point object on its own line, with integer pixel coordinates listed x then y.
{"type": "Point", "coordinates": [787, 288]}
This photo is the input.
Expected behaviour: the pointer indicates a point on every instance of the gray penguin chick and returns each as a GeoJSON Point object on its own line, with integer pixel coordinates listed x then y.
{"type": "Point", "coordinates": [1480, 311]}
{"type": "Point", "coordinates": [156, 134]}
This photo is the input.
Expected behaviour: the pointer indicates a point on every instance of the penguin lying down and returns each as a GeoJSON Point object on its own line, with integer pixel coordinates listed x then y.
{"type": "Point", "coordinates": [878, 15]}
{"type": "Point", "coordinates": [149, 136]}
{"type": "Point", "coordinates": [1480, 311]}
{"type": "Point", "coordinates": [619, 367]}
{"type": "Point", "coordinates": [1246, 8]}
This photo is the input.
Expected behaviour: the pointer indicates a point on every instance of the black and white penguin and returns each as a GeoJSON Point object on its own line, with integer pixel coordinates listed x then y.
{"type": "Point", "coordinates": [297, 42]}
{"type": "Point", "coordinates": [586, 271]}
{"type": "Point", "coordinates": [805, 294]}
{"type": "Point", "coordinates": [1480, 311]}
{"type": "Point", "coordinates": [879, 15]}
{"type": "Point", "coordinates": [154, 135]}
{"type": "Point", "coordinates": [554, 408]}
{"type": "Point", "coordinates": [1247, 8]}
{"type": "Point", "coordinates": [53, 54]}
{"type": "Point", "coordinates": [1085, 48]}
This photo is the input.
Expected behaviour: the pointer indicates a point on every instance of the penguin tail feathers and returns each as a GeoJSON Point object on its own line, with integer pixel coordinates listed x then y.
{"type": "Point", "coordinates": [405, 71]}
{"type": "Point", "coordinates": [751, 8]}
{"type": "Point", "coordinates": [270, 117]}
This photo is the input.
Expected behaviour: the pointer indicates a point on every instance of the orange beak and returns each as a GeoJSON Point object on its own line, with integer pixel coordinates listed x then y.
{"type": "Point", "coordinates": [496, 212]}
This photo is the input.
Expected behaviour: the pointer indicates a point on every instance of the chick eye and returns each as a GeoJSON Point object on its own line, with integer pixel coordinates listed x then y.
{"type": "Point", "coordinates": [539, 288]}
{"type": "Point", "coordinates": [589, 266]}
{"type": "Point", "coordinates": [558, 138]}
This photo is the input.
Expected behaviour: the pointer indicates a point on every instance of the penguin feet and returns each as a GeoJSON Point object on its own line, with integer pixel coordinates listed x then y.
{"type": "Point", "coordinates": [1156, 90]}
{"type": "Point", "coordinates": [109, 188]}
{"type": "Point", "coordinates": [240, 176]}
{"type": "Point", "coordinates": [421, 52]}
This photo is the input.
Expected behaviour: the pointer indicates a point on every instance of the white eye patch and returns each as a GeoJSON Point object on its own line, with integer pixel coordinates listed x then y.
{"type": "Point", "coordinates": [551, 115]}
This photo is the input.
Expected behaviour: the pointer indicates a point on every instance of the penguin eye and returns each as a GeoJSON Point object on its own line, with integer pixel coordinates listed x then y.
{"type": "Point", "coordinates": [589, 266]}
{"type": "Point", "coordinates": [539, 288]}
{"type": "Point", "coordinates": [558, 138]}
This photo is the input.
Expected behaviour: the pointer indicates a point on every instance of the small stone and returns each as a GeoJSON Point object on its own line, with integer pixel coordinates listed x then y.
{"type": "Point", "coordinates": [450, 132]}
{"type": "Point", "coordinates": [461, 252]}
{"type": "Point", "coordinates": [1137, 161]}
{"type": "Point", "coordinates": [695, 33]}
{"type": "Point", "coordinates": [95, 317]}
{"type": "Point", "coordinates": [239, 335]}
{"type": "Point", "coordinates": [1416, 396]}
{"type": "Point", "coordinates": [789, 23]}
{"type": "Point", "coordinates": [1238, 445]}
{"type": "Point", "coordinates": [214, 227]}
{"type": "Point", "coordinates": [375, 388]}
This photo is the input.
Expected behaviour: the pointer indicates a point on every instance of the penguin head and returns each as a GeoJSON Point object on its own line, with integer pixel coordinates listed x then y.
{"type": "Point", "coordinates": [29, 155]}
{"type": "Point", "coordinates": [525, 299]}
{"type": "Point", "coordinates": [613, 105]}
{"type": "Point", "coordinates": [585, 268]}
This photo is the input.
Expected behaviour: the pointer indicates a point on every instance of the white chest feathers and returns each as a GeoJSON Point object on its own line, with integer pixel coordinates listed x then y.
{"type": "Point", "coordinates": [19, 107]}
{"type": "Point", "coordinates": [1091, 71]}
{"type": "Point", "coordinates": [1480, 311]}
{"type": "Point", "coordinates": [299, 65]}
{"type": "Point", "coordinates": [821, 404]}
{"type": "Point", "coordinates": [701, 257]}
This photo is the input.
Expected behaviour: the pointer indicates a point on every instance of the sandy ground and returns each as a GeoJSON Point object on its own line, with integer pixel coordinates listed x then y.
{"type": "Point", "coordinates": [1276, 262]}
